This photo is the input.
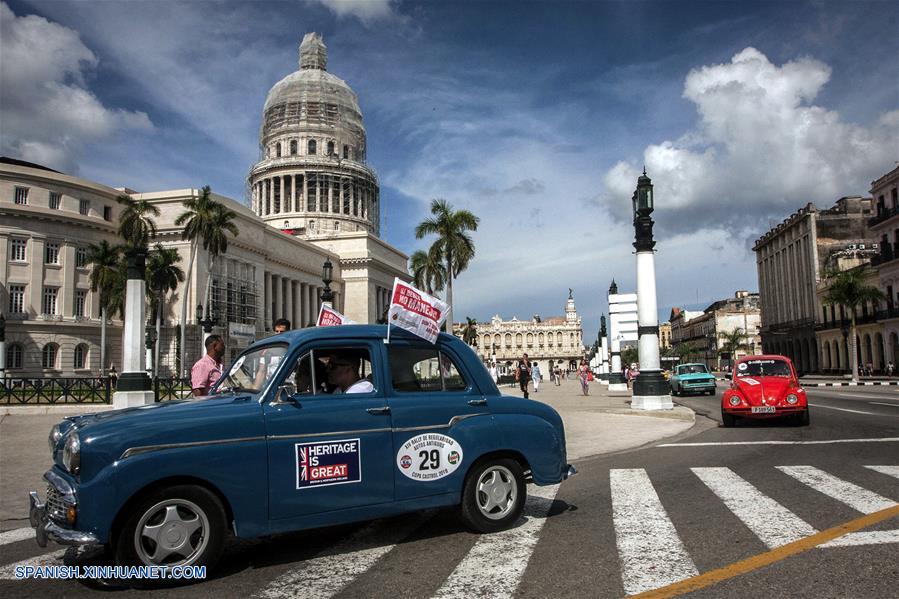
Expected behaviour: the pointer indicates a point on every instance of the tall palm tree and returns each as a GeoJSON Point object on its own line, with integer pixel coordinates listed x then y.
{"type": "Point", "coordinates": [453, 246]}
{"type": "Point", "coordinates": [136, 225]}
{"type": "Point", "coordinates": [428, 271]}
{"type": "Point", "coordinates": [850, 289]}
{"type": "Point", "coordinates": [209, 221]}
{"type": "Point", "coordinates": [733, 341]}
{"type": "Point", "coordinates": [163, 276]}
{"type": "Point", "coordinates": [105, 261]}
{"type": "Point", "coordinates": [470, 331]}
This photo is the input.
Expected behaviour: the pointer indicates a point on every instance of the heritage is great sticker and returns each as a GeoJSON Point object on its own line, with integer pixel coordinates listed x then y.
{"type": "Point", "coordinates": [430, 456]}
{"type": "Point", "coordinates": [328, 463]}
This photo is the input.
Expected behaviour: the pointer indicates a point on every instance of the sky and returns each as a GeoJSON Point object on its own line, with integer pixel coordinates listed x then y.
{"type": "Point", "coordinates": [536, 116]}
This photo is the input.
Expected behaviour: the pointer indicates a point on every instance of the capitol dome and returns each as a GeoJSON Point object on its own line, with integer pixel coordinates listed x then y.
{"type": "Point", "coordinates": [311, 178]}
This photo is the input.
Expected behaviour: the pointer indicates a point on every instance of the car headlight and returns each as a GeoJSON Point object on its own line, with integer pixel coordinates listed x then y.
{"type": "Point", "coordinates": [792, 399]}
{"type": "Point", "coordinates": [71, 453]}
{"type": "Point", "coordinates": [734, 400]}
{"type": "Point", "coordinates": [54, 437]}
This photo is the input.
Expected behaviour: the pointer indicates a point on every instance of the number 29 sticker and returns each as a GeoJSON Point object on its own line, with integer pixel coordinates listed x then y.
{"type": "Point", "coordinates": [429, 457]}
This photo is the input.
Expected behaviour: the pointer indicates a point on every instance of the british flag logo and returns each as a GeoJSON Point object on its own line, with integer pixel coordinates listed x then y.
{"type": "Point", "coordinates": [328, 463]}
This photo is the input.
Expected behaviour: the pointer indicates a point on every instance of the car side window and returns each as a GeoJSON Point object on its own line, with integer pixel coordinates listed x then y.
{"type": "Point", "coordinates": [417, 369]}
{"type": "Point", "coordinates": [333, 371]}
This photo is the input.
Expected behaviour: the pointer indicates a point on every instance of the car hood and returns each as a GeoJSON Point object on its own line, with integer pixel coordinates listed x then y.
{"type": "Point", "coordinates": [755, 388]}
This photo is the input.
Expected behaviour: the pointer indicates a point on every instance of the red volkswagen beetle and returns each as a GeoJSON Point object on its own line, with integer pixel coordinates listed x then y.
{"type": "Point", "coordinates": [764, 387]}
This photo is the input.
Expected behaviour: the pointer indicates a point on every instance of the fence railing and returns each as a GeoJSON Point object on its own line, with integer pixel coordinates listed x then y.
{"type": "Point", "coordinates": [54, 391]}
{"type": "Point", "coordinates": [166, 389]}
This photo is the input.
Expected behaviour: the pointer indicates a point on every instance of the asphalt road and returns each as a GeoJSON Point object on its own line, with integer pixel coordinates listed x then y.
{"type": "Point", "coordinates": [629, 522]}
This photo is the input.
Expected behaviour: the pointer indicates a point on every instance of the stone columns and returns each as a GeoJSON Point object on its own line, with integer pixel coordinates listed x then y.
{"type": "Point", "coordinates": [267, 301]}
{"type": "Point", "coordinates": [276, 299]}
{"type": "Point", "coordinates": [134, 385]}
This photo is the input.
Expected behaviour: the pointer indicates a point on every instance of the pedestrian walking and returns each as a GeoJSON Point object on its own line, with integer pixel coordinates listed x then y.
{"type": "Point", "coordinates": [494, 374]}
{"type": "Point", "coordinates": [208, 369]}
{"type": "Point", "coordinates": [890, 369]}
{"type": "Point", "coordinates": [523, 374]}
{"type": "Point", "coordinates": [558, 376]}
{"type": "Point", "coordinates": [582, 371]}
{"type": "Point", "coordinates": [535, 375]}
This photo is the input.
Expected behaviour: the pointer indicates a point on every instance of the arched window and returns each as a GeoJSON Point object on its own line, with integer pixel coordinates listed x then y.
{"type": "Point", "coordinates": [346, 152]}
{"type": "Point", "coordinates": [312, 225]}
{"type": "Point", "coordinates": [310, 147]}
{"type": "Point", "coordinates": [49, 355]}
{"type": "Point", "coordinates": [293, 147]}
{"type": "Point", "coordinates": [14, 356]}
{"type": "Point", "coordinates": [540, 339]}
{"type": "Point", "coordinates": [571, 338]}
{"type": "Point", "coordinates": [81, 356]}
{"type": "Point", "coordinates": [336, 225]}
{"type": "Point", "coordinates": [508, 342]}
{"type": "Point", "coordinates": [496, 340]}
{"type": "Point", "coordinates": [330, 148]}
{"type": "Point", "coordinates": [518, 340]}
{"type": "Point", "coordinates": [559, 339]}
{"type": "Point", "coordinates": [530, 340]}
{"type": "Point", "coordinates": [278, 150]}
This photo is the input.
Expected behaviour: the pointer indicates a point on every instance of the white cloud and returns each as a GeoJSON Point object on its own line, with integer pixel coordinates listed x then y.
{"type": "Point", "coordinates": [48, 111]}
{"type": "Point", "coordinates": [367, 11]}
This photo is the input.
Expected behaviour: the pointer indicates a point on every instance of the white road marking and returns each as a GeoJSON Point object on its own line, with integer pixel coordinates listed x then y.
{"type": "Point", "coordinates": [874, 537]}
{"type": "Point", "coordinates": [822, 442]}
{"type": "Point", "coordinates": [8, 572]}
{"type": "Point", "coordinates": [329, 573]}
{"type": "Point", "coordinates": [880, 403]}
{"type": "Point", "coordinates": [771, 522]}
{"type": "Point", "coordinates": [858, 498]}
{"type": "Point", "coordinates": [494, 566]}
{"type": "Point", "coordinates": [651, 552]}
{"type": "Point", "coordinates": [817, 405]}
{"type": "Point", "coordinates": [13, 536]}
{"type": "Point", "coordinates": [857, 395]}
{"type": "Point", "coordinates": [888, 470]}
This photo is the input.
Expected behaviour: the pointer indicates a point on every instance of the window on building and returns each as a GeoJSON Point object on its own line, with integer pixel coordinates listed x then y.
{"type": "Point", "coordinates": [51, 252]}
{"type": "Point", "coordinates": [518, 340]}
{"type": "Point", "coordinates": [107, 213]}
{"type": "Point", "coordinates": [312, 225]}
{"type": "Point", "coordinates": [81, 257]}
{"type": "Point", "coordinates": [55, 200]}
{"type": "Point", "coordinates": [80, 362]}
{"type": "Point", "coordinates": [346, 152]}
{"type": "Point", "coordinates": [17, 248]}
{"type": "Point", "coordinates": [21, 196]}
{"type": "Point", "coordinates": [330, 148]}
{"type": "Point", "coordinates": [336, 225]}
{"type": "Point", "coordinates": [507, 340]}
{"type": "Point", "coordinates": [49, 304]}
{"type": "Point", "coordinates": [530, 340]}
{"type": "Point", "coordinates": [14, 356]}
{"type": "Point", "coordinates": [84, 207]}
{"type": "Point", "coordinates": [49, 355]}
{"type": "Point", "coordinates": [277, 150]}
{"type": "Point", "coordinates": [80, 302]}
{"type": "Point", "coordinates": [310, 147]}
{"type": "Point", "coordinates": [17, 299]}
{"type": "Point", "coordinates": [293, 147]}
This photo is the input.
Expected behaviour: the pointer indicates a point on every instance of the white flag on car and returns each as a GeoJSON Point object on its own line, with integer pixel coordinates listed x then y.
{"type": "Point", "coordinates": [416, 311]}
{"type": "Point", "coordinates": [329, 317]}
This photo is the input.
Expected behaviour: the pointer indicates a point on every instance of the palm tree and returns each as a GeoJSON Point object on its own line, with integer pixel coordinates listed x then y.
{"type": "Point", "coordinates": [453, 246]}
{"type": "Point", "coordinates": [733, 341]}
{"type": "Point", "coordinates": [850, 289]}
{"type": "Point", "coordinates": [687, 348]}
{"type": "Point", "coordinates": [105, 279]}
{"type": "Point", "coordinates": [470, 331]}
{"type": "Point", "coordinates": [136, 227]}
{"type": "Point", "coordinates": [163, 276]}
{"type": "Point", "coordinates": [208, 221]}
{"type": "Point", "coordinates": [428, 271]}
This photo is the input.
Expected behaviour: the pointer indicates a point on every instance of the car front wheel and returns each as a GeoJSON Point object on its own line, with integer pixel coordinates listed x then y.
{"type": "Point", "coordinates": [183, 525]}
{"type": "Point", "coordinates": [729, 420]}
{"type": "Point", "coordinates": [493, 496]}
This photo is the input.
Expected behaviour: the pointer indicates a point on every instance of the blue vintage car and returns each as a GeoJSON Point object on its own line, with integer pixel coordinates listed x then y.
{"type": "Point", "coordinates": [306, 429]}
{"type": "Point", "coordinates": [692, 378]}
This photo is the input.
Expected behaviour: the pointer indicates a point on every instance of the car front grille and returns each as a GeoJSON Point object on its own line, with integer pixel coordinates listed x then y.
{"type": "Point", "coordinates": [56, 506]}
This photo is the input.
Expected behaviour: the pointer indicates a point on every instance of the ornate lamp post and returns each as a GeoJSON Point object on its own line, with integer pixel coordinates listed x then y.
{"type": "Point", "coordinates": [327, 277]}
{"type": "Point", "coordinates": [206, 319]}
{"type": "Point", "coordinates": [134, 386]}
{"type": "Point", "coordinates": [150, 343]}
{"type": "Point", "coordinates": [650, 388]}
{"type": "Point", "coordinates": [603, 351]}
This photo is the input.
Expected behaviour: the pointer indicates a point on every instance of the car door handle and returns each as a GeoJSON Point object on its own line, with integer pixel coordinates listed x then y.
{"type": "Point", "coordinates": [477, 402]}
{"type": "Point", "coordinates": [379, 411]}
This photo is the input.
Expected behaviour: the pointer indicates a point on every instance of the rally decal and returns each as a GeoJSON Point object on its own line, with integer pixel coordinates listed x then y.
{"type": "Point", "coordinates": [429, 457]}
{"type": "Point", "coordinates": [326, 463]}
{"type": "Point", "coordinates": [750, 381]}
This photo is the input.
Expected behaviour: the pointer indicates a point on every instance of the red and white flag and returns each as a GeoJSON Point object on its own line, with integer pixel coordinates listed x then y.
{"type": "Point", "coordinates": [416, 311]}
{"type": "Point", "coordinates": [329, 317]}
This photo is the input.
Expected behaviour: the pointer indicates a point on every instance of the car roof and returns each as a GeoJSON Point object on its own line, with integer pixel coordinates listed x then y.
{"type": "Point", "coordinates": [353, 331]}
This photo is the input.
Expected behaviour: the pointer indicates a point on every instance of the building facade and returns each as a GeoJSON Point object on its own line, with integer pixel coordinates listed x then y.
{"type": "Point", "coordinates": [884, 226]}
{"type": "Point", "coordinates": [665, 335]}
{"type": "Point", "coordinates": [703, 332]}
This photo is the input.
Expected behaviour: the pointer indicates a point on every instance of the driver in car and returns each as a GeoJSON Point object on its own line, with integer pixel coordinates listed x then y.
{"type": "Point", "coordinates": [343, 373]}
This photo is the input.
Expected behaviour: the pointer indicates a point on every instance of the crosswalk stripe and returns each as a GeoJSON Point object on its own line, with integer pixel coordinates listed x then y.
{"type": "Point", "coordinates": [771, 522]}
{"type": "Point", "coordinates": [873, 537]}
{"type": "Point", "coordinates": [651, 552]}
{"type": "Point", "coordinates": [496, 563]}
{"type": "Point", "coordinates": [16, 535]}
{"type": "Point", "coordinates": [8, 572]}
{"type": "Point", "coordinates": [888, 470]}
{"type": "Point", "coordinates": [352, 557]}
{"type": "Point", "coordinates": [858, 498]}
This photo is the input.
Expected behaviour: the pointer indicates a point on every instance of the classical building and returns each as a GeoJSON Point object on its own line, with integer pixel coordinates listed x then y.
{"type": "Point", "coordinates": [556, 339]}
{"type": "Point", "coordinates": [790, 259]}
{"type": "Point", "coordinates": [703, 331]}
{"type": "Point", "coordinates": [665, 335]}
{"type": "Point", "coordinates": [884, 226]}
{"type": "Point", "coordinates": [272, 268]}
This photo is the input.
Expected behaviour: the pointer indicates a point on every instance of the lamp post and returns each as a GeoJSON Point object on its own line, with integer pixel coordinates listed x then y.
{"type": "Point", "coordinates": [650, 388]}
{"type": "Point", "coordinates": [150, 343]}
{"type": "Point", "coordinates": [327, 276]}
{"type": "Point", "coordinates": [603, 351]}
{"type": "Point", "coordinates": [134, 386]}
{"type": "Point", "coordinates": [2, 346]}
{"type": "Point", "coordinates": [207, 319]}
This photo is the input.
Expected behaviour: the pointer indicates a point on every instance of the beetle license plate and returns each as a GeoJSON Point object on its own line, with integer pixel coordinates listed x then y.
{"type": "Point", "coordinates": [763, 409]}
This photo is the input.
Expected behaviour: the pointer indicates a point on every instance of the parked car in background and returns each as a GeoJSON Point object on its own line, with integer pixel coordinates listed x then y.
{"type": "Point", "coordinates": [306, 429]}
{"type": "Point", "coordinates": [691, 378]}
{"type": "Point", "coordinates": [764, 387]}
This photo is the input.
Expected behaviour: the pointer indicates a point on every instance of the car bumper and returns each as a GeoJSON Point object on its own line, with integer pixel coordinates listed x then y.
{"type": "Point", "coordinates": [49, 521]}
{"type": "Point", "coordinates": [747, 412]}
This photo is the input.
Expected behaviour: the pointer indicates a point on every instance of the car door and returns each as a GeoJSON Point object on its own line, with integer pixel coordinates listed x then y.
{"type": "Point", "coordinates": [327, 451]}
{"type": "Point", "coordinates": [440, 418]}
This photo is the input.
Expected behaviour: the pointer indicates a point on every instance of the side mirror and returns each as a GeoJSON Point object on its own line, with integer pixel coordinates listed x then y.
{"type": "Point", "coordinates": [284, 394]}
{"type": "Point", "coordinates": [728, 376]}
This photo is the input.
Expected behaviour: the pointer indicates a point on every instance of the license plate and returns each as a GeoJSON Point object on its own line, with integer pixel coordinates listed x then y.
{"type": "Point", "coordinates": [763, 409]}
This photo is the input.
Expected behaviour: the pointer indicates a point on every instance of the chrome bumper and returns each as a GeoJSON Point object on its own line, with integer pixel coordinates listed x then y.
{"type": "Point", "coordinates": [43, 524]}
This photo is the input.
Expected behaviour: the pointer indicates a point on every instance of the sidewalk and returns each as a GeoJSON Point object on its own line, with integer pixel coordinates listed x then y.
{"type": "Point", "coordinates": [597, 424]}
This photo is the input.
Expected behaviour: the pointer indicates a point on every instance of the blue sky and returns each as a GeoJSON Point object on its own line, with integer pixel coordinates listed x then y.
{"type": "Point", "coordinates": [537, 116]}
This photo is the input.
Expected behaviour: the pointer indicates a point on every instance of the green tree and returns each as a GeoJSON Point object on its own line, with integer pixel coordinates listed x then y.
{"type": "Point", "coordinates": [684, 349]}
{"type": "Point", "coordinates": [428, 271]}
{"type": "Point", "coordinates": [136, 225]}
{"type": "Point", "coordinates": [850, 289]}
{"type": "Point", "coordinates": [629, 355]}
{"type": "Point", "coordinates": [732, 342]}
{"type": "Point", "coordinates": [453, 246]}
{"type": "Point", "coordinates": [163, 276]}
{"type": "Point", "coordinates": [470, 331]}
{"type": "Point", "coordinates": [105, 279]}
{"type": "Point", "coordinates": [208, 221]}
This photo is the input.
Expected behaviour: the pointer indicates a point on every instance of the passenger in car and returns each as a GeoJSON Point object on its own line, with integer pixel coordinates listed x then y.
{"type": "Point", "coordinates": [343, 372]}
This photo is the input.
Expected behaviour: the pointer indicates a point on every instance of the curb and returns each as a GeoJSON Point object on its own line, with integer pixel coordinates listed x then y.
{"type": "Point", "coordinates": [844, 384]}
{"type": "Point", "coordinates": [40, 410]}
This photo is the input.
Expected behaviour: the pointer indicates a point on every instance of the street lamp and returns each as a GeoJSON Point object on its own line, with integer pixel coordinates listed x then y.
{"type": "Point", "coordinates": [207, 322]}
{"type": "Point", "coordinates": [327, 277]}
{"type": "Point", "coordinates": [150, 343]}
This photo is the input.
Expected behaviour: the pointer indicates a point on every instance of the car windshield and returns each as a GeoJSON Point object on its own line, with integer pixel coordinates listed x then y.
{"type": "Point", "coordinates": [692, 369]}
{"type": "Point", "coordinates": [763, 368]}
{"type": "Point", "coordinates": [253, 370]}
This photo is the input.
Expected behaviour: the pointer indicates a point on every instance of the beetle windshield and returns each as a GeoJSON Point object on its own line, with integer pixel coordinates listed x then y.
{"type": "Point", "coordinates": [253, 370]}
{"type": "Point", "coordinates": [692, 369]}
{"type": "Point", "coordinates": [763, 368]}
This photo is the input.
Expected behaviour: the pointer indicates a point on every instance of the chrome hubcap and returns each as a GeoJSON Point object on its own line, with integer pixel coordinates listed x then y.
{"type": "Point", "coordinates": [173, 532]}
{"type": "Point", "coordinates": [496, 492]}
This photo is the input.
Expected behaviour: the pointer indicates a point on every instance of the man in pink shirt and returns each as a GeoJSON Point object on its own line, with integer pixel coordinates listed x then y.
{"type": "Point", "coordinates": [208, 369]}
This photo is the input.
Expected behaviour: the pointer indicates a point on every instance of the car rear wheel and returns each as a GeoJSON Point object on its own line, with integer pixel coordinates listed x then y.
{"type": "Point", "coordinates": [183, 525]}
{"type": "Point", "coordinates": [802, 419]}
{"type": "Point", "coordinates": [493, 495]}
{"type": "Point", "coordinates": [729, 420]}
